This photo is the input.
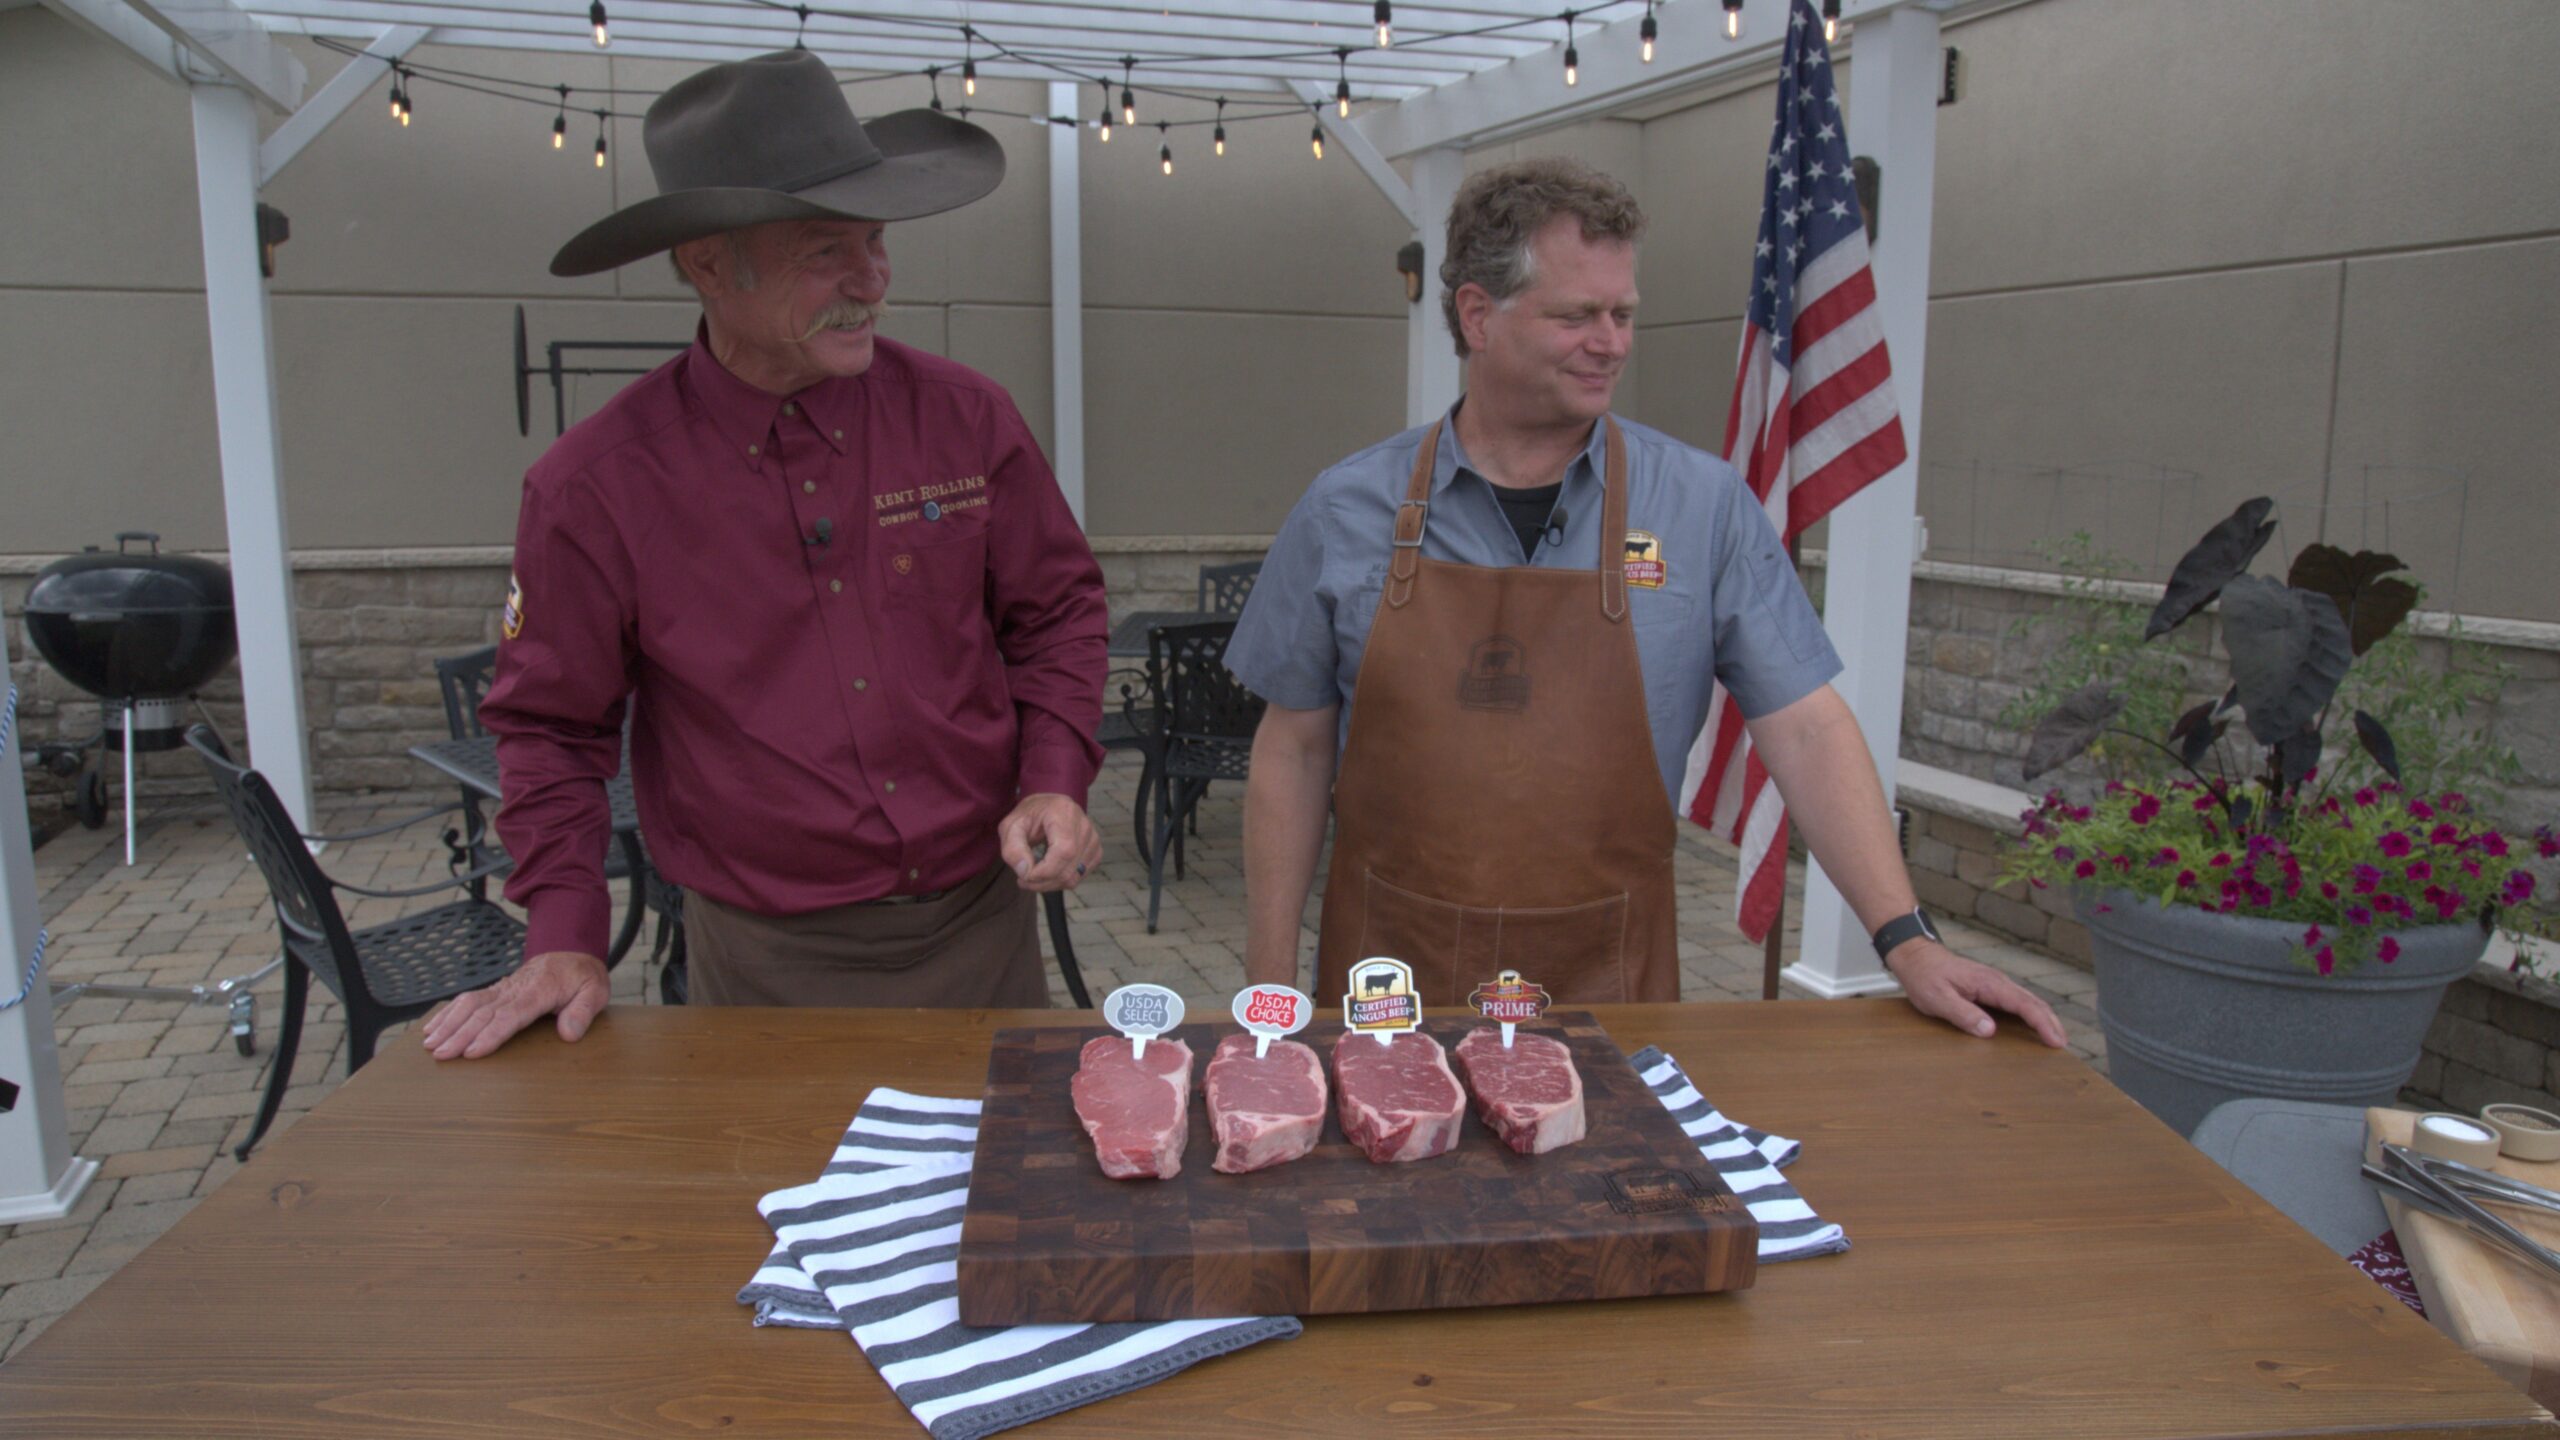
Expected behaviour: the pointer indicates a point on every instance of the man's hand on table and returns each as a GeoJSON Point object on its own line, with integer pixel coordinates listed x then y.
{"type": "Point", "coordinates": [1940, 983]}
{"type": "Point", "coordinates": [1054, 821]}
{"type": "Point", "coordinates": [557, 982]}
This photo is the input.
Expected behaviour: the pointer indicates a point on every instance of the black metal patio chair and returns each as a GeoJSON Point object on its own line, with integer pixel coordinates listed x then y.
{"type": "Point", "coordinates": [1202, 732]}
{"type": "Point", "coordinates": [382, 974]}
{"type": "Point", "coordinates": [1224, 588]}
{"type": "Point", "coordinates": [464, 681]}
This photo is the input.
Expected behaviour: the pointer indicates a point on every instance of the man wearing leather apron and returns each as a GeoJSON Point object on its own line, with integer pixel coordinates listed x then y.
{"type": "Point", "coordinates": [1530, 601]}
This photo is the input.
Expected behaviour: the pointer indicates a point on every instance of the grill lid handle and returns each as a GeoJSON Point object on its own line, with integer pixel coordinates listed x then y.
{"type": "Point", "coordinates": [125, 539]}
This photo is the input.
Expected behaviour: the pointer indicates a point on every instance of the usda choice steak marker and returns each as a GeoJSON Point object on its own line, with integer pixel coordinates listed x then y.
{"type": "Point", "coordinates": [1630, 1210]}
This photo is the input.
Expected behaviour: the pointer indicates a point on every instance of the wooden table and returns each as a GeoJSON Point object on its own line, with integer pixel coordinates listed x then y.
{"type": "Point", "coordinates": [545, 1243]}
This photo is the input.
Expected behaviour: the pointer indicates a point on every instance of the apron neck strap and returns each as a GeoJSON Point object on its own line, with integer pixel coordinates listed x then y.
{"type": "Point", "coordinates": [1407, 550]}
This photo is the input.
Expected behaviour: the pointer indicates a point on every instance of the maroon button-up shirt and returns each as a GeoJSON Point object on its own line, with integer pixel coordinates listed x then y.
{"type": "Point", "coordinates": [854, 626]}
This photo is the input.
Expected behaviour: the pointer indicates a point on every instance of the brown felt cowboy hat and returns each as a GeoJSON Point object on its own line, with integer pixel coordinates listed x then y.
{"type": "Point", "coordinates": [772, 139]}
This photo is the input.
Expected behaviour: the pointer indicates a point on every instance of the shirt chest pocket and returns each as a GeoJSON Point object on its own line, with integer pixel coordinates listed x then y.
{"type": "Point", "coordinates": [936, 574]}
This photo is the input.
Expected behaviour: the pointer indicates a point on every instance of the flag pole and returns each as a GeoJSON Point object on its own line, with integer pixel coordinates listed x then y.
{"type": "Point", "coordinates": [1770, 956]}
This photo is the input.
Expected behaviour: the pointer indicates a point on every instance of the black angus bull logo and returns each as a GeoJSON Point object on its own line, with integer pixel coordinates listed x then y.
{"type": "Point", "coordinates": [1380, 983]}
{"type": "Point", "coordinates": [1497, 676]}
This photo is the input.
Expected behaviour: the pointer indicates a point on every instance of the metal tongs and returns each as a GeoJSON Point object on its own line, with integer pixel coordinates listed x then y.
{"type": "Point", "coordinates": [2446, 1188]}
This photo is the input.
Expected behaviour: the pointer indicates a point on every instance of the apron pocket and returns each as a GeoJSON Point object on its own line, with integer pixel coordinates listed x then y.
{"type": "Point", "coordinates": [1578, 952]}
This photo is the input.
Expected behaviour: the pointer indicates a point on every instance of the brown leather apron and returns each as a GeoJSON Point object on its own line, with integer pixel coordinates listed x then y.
{"type": "Point", "coordinates": [1498, 805]}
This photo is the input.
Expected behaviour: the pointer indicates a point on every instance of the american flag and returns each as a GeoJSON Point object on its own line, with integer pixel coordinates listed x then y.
{"type": "Point", "coordinates": [1813, 415]}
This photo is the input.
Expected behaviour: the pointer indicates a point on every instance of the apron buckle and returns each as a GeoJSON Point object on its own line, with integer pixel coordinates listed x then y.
{"type": "Point", "coordinates": [1423, 509]}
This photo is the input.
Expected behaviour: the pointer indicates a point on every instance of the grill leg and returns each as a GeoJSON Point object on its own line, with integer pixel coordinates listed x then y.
{"type": "Point", "coordinates": [128, 782]}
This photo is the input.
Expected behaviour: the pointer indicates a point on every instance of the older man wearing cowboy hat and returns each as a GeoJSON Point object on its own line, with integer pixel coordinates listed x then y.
{"type": "Point", "coordinates": [859, 635]}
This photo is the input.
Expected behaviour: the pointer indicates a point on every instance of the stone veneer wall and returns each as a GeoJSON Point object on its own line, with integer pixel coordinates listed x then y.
{"type": "Point", "coordinates": [372, 625]}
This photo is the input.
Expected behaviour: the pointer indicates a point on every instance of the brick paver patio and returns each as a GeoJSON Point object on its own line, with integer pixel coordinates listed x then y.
{"type": "Point", "coordinates": [157, 1093]}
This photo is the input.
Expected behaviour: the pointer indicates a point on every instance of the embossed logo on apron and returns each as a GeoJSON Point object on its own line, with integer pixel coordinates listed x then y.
{"type": "Point", "coordinates": [1496, 677]}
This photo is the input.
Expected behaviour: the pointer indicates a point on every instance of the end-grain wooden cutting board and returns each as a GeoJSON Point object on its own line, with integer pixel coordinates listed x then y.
{"type": "Point", "coordinates": [1631, 1209]}
{"type": "Point", "coordinates": [2500, 1309]}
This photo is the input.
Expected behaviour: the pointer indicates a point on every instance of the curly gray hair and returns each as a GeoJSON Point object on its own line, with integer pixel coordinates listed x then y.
{"type": "Point", "coordinates": [1499, 211]}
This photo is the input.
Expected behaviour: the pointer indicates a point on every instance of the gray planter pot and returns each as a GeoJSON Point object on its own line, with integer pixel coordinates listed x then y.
{"type": "Point", "coordinates": [2201, 1008]}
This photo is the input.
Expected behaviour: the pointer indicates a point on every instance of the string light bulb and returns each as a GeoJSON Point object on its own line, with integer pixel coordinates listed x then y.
{"type": "Point", "coordinates": [1315, 137]}
{"type": "Point", "coordinates": [1385, 16]}
{"type": "Point", "coordinates": [1106, 110]}
{"type": "Point", "coordinates": [400, 105]}
{"type": "Point", "coordinates": [600, 119]}
{"type": "Point", "coordinates": [1572, 57]}
{"type": "Point", "coordinates": [1342, 83]}
{"type": "Point", "coordinates": [933, 77]}
{"type": "Point", "coordinates": [595, 18]}
{"type": "Point", "coordinates": [395, 92]}
{"type": "Point", "coordinates": [560, 122]}
{"type": "Point", "coordinates": [1164, 151]}
{"type": "Point", "coordinates": [969, 62]}
{"type": "Point", "coordinates": [1218, 137]}
{"type": "Point", "coordinates": [1648, 32]}
{"type": "Point", "coordinates": [1733, 19]}
{"type": "Point", "coordinates": [1830, 21]}
{"type": "Point", "coordinates": [1128, 97]}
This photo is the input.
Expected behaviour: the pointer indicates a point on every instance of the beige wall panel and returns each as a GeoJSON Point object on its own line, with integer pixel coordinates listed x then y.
{"type": "Point", "coordinates": [112, 422]}
{"type": "Point", "coordinates": [2099, 138]}
{"type": "Point", "coordinates": [670, 323]}
{"type": "Point", "coordinates": [97, 164]}
{"type": "Point", "coordinates": [468, 199]}
{"type": "Point", "coordinates": [1615, 147]}
{"type": "Point", "coordinates": [2447, 379]}
{"type": "Point", "coordinates": [399, 421]}
{"type": "Point", "coordinates": [1267, 228]}
{"type": "Point", "coordinates": [1688, 380]}
{"type": "Point", "coordinates": [1701, 192]}
{"type": "Point", "coordinates": [1203, 424]}
{"type": "Point", "coordinates": [2225, 377]}
{"type": "Point", "coordinates": [1009, 344]}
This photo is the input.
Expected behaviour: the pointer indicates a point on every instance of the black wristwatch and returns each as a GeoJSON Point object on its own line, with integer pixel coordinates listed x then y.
{"type": "Point", "coordinates": [1908, 927]}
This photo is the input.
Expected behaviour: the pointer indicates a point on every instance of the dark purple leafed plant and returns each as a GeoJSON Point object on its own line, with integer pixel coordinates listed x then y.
{"type": "Point", "coordinates": [2250, 829]}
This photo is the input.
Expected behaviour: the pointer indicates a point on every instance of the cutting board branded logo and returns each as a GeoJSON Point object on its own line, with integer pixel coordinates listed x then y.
{"type": "Point", "coordinates": [1497, 676]}
{"type": "Point", "coordinates": [1507, 997]}
{"type": "Point", "coordinates": [1380, 998]}
{"type": "Point", "coordinates": [1655, 1191]}
{"type": "Point", "coordinates": [1645, 566]}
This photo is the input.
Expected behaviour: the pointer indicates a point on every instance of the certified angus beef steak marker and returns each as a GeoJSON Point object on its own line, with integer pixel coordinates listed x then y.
{"type": "Point", "coordinates": [1529, 1095]}
{"type": "Point", "coordinates": [1047, 1238]}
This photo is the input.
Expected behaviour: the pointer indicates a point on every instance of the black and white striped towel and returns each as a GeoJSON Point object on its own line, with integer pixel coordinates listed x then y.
{"type": "Point", "coordinates": [873, 1245]}
{"type": "Point", "coordinates": [1748, 1160]}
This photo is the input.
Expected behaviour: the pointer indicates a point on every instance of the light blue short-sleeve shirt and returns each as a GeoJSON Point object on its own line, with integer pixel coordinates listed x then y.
{"type": "Point", "coordinates": [1729, 608]}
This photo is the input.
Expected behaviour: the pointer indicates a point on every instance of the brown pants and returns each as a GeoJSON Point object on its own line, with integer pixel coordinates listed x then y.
{"type": "Point", "coordinates": [978, 946]}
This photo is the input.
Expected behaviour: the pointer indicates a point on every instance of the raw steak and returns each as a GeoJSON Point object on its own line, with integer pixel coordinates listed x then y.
{"type": "Point", "coordinates": [1264, 1112]}
{"type": "Point", "coordinates": [1399, 1101]}
{"type": "Point", "coordinates": [1138, 1111]}
{"type": "Point", "coordinates": [1530, 1094]}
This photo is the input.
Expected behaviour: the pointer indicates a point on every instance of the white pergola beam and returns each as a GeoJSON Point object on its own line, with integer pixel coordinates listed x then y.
{"type": "Point", "coordinates": [244, 408]}
{"type": "Point", "coordinates": [1066, 304]}
{"type": "Point", "coordinates": [1875, 533]}
{"type": "Point", "coordinates": [344, 88]}
{"type": "Point", "coordinates": [232, 41]}
{"type": "Point", "coordinates": [117, 23]}
{"type": "Point", "coordinates": [1529, 94]}
{"type": "Point", "coordinates": [1362, 153]}
{"type": "Point", "coordinates": [1432, 371]}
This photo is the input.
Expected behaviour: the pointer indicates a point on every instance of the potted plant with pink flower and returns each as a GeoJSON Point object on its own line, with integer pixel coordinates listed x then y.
{"type": "Point", "coordinates": [2262, 925]}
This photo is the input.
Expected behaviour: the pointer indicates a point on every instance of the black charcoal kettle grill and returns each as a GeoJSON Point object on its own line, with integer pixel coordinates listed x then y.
{"type": "Point", "coordinates": [143, 632]}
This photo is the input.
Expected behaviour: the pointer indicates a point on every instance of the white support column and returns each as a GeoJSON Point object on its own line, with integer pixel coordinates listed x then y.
{"type": "Point", "coordinates": [244, 403]}
{"type": "Point", "coordinates": [40, 1179]}
{"type": "Point", "coordinates": [1066, 299]}
{"type": "Point", "coordinates": [1875, 536]}
{"type": "Point", "coordinates": [1432, 371]}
